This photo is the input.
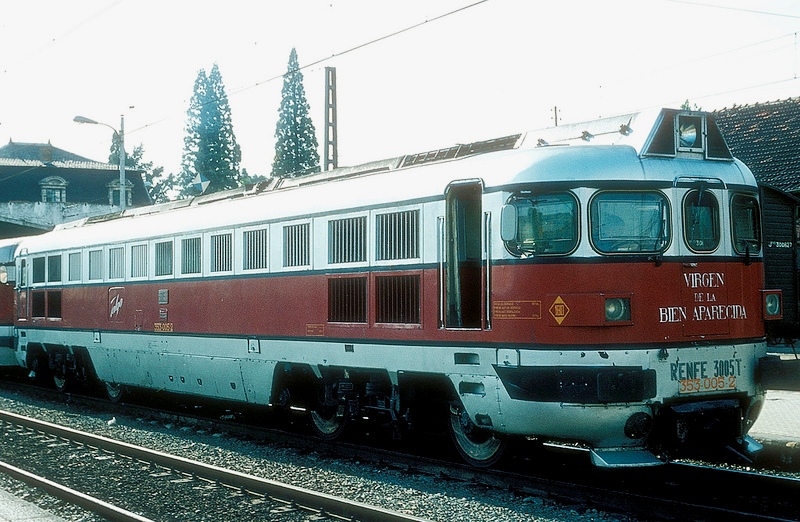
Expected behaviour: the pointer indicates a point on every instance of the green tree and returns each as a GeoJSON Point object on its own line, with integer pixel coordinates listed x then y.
{"type": "Point", "coordinates": [296, 147]}
{"type": "Point", "coordinates": [210, 147]}
{"type": "Point", "coordinates": [686, 106]}
{"type": "Point", "coordinates": [156, 184]}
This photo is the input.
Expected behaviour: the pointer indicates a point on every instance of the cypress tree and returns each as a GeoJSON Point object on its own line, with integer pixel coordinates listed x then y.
{"type": "Point", "coordinates": [296, 151]}
{"type": "Point", "coordinates": [210, 147]}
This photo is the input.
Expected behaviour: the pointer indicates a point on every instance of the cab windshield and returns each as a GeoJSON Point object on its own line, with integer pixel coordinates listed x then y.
{"type": "Point", "coordinates": [629, 222]}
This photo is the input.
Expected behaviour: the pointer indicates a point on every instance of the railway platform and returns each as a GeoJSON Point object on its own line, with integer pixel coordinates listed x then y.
{"type": "Point", "coordinates": [778, 425]}
{"type": "Point", "coordinates": [779, 422]}
{"type": "Point", "coordinates": [15, 509]}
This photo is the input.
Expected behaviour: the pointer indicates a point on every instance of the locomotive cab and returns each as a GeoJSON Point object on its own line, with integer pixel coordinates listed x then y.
{"type": "Point", "coordinates": [662, 279]}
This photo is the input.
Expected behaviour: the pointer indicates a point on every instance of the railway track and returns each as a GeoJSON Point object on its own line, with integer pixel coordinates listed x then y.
{"type": "Point", "coordinates": [557, 475]}
{"type": "Point", "coordinates": [135, 464]}
{"type": "Point", "coordinates": [675, 491]}
{"type": "Point", "coordinates": [94, 505]}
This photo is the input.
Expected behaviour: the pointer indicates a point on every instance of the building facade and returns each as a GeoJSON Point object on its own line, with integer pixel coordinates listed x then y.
{"type": "Point", "coordinates": [42, 186]}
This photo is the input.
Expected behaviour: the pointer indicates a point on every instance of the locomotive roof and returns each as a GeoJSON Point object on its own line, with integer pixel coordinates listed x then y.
{"type": "Point", "coordinates": [617, 154]}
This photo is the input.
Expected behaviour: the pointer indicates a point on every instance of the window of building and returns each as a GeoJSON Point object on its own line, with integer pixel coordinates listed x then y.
{"type": "Point", "coordinates": [113, 193]}
{"type": "Point", "coordinates": [163, 258]}
{"type": "Point", "coordinates": [397, 235]}
{"type": "Point", "coordinates": [255, 250]}
{"type": "Point", "coordinates": [54, 189]}
{"type": "Point", "coordinates": [296, 245]}
{"type": "Point", "coordinates": [95, 265]}
{"type": "Point", "coordinates": [222, 252]}
{"type": "Point", "coordinates": [347, 240]}
{"type": "Point", "coordinates": [191, 255]}
{"type": "Point", "coordinates": [139, 261]}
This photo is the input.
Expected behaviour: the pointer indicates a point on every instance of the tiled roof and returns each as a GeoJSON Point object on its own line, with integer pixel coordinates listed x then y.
{"type": "Point", "coordinates": [86, 164]}
{"type": "Point", "coordinates": [39, 152]}
{"type": "Point", "coordinates": [16, 154]}
{"type": "Point", "coordinates": [766, 137]}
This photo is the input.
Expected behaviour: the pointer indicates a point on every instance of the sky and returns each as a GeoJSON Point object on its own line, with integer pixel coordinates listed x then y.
{"type": "Point", "coordinates": [412, 75]}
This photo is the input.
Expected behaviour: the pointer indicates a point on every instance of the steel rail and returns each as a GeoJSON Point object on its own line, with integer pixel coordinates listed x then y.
{"type": "Point", "coordinates": [312, 500]}
{"type": "Point", "coordinates": [95, 505]}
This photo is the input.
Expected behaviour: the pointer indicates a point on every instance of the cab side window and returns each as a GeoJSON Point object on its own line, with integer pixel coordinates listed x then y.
{"type": "Point", "coordinates": [542, 224]}
{"type": "Point", "coordinates": [701, 221]}
{"type": "Point", "coordinates": [745, 224]}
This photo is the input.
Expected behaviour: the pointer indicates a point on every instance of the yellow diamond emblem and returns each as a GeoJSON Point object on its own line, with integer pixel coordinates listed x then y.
{"type": "Point", "coordinates": [559, 310]}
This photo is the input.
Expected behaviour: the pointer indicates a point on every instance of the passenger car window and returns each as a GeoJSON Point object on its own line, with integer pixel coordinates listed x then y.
{"type": "Point", "coordinates": [629, 222]}
{"type": "Point", "coordinates": [546, 224]}
{"type": "Point", "coordinates": [701, 221]}
{"type": "Point", "coordinates": [745, 224]}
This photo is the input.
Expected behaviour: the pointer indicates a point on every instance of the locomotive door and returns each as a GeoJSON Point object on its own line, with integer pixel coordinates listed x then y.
{"type": "Point", "coordinates": [461, 281]}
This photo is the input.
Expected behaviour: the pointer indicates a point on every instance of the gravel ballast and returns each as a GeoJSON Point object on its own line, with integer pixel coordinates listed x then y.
{"type": "Point", "coordinates": [423, 496]}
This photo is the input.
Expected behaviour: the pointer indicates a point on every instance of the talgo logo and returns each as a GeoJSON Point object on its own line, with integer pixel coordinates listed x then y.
{"type": "Point", "coordinates": [115, 302]}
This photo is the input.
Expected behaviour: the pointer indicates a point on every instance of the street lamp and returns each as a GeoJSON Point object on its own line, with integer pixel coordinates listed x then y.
{"type": "Point", "coordinates": [123, 193]}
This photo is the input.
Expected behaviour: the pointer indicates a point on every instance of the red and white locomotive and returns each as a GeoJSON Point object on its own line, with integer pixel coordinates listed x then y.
{"type": "Point", "coordinates": [598, 283]}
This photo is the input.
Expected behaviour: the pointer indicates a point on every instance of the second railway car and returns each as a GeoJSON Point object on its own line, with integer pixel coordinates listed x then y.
{"type": "Point", "coordinates": [600, 284]}
{"type": "Point", "coordinates": [8, 248]}
{"type": "Point", "coordinates": [780, 211]}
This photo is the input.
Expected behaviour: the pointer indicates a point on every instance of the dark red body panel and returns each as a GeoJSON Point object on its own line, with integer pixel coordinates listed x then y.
{"type": "Point", "coordinates": [531, 304]}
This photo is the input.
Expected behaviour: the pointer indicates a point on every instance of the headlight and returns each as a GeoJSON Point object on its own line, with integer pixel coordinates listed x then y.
{"type": "Point", "coordinates": [690, 129]}
{"type": "Point", "coordinates": [618, 309]}
{"type": "Point", "coordinates": [773, 306]}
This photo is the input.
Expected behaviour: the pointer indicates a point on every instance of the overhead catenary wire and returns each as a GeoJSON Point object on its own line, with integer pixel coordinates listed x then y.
{"type": "Point", "coordinates": [59, 38]}
{"type": "Point", "coordinates": [331, 57]}
{"type": "Point", "coordinates": [244, 86]}
{"type": "Point", "coordinates": [731, 8]}
{"type": "Point", "coordinates": [409, 28]}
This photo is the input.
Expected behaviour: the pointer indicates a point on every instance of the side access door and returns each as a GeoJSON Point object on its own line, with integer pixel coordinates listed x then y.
{"type": "Point", "coordinates": [464, 278]}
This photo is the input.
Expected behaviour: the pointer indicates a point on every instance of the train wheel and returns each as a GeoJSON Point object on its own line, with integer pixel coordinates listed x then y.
{"type": "Point", "coordinates": [39, 371]}
{"type": "Point", "coordinates": [328, 422]}
{"type": "Point", "coordinates": [479, 447]}
{"type": "Point", "coordinates": [61, 383]}
{"type": "Point", "coordinates": [114, 391]}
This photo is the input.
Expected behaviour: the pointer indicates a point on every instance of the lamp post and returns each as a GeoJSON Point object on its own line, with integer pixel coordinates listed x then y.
{"type": "Point", "coordinates": [123, 193]}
